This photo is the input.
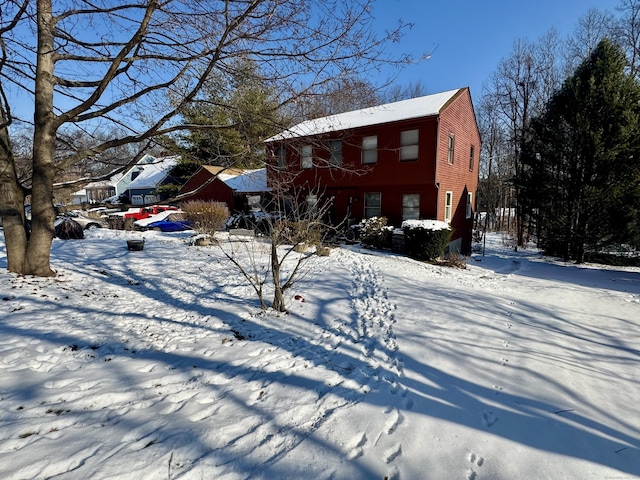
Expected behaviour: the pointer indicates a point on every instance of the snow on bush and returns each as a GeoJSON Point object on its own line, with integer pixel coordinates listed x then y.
{"type": "Point", "coordinates": [426, 239]}
{"type": "Point", "coordinates": [425, 224]}
{"type": "Point", "coordinates": [375, 233]}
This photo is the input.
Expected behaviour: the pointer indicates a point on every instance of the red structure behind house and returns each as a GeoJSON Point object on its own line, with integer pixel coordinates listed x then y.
{"type": "Point", "coordinates": [240, 189]}
{"type": "Point", "coordinates": [413, 159]}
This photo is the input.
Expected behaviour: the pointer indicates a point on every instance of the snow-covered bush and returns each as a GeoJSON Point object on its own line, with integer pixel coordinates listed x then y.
{"type": "Point", "coordinates": [426, 239]}
{"type": "Point", "coordinates": [375, 233]}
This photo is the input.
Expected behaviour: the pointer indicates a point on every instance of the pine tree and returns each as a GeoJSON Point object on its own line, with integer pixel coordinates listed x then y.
{"type": "Point", "coordinates": [583, 159]}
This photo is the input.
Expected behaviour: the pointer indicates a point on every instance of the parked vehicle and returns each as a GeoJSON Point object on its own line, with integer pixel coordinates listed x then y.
{"type": "Point", "coordinates": [85, 222]}
{"type": "Point", "coordinates": [167, 221]}
{"type": "Point", "coordinates": [145, 212]}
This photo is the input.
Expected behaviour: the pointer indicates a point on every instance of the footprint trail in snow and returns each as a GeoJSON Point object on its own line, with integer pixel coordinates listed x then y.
{"type": "Point", "coordinates": [382, 366]}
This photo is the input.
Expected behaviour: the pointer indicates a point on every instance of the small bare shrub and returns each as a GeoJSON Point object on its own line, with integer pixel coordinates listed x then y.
{"type": "Point", "coordinates": [455, 260]}
{"type": "Point", "coordinates": [207, 217]}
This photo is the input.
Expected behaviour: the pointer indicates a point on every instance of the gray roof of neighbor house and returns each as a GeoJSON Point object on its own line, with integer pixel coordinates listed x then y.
{"type": "Point", "coordinates": [153, 173]}
{"type": "Point", "coordinates": [419, 107]}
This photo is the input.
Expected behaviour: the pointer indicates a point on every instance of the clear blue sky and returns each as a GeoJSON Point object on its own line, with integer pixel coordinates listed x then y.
{"type": "Point", "coordinates": [472, 36]}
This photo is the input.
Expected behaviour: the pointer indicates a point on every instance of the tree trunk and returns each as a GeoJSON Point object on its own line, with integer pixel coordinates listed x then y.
{"type": "Point", "coordinates": [11, 204]}
{"type": "Point", "coordinates": [42, 212]}
{"type": "Point", "coordinates": [278, 303]}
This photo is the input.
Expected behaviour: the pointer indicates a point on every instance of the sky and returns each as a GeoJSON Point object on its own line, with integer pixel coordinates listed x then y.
{"type": "Point", "coordinates": [470, 37]}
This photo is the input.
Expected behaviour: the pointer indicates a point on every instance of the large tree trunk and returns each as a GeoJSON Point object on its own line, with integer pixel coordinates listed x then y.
{"type": "Point", "coordinates": [42, 211]}
{"type": "Point", "coordinates": [11, 204]}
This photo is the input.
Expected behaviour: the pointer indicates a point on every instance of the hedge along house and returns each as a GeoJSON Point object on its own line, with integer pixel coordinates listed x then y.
{"type": "Point", "coordinates": [413, 159]}
{"type": "Point", "coordinates": [241, 190]}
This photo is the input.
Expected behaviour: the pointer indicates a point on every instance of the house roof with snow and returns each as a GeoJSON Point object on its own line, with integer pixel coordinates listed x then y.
{"type": "Point", "coordinates": [153, 173]}
{"type": "Point", "coordinates": [248, 181]}
{"type": "Point", "coordinates": [419, 107]}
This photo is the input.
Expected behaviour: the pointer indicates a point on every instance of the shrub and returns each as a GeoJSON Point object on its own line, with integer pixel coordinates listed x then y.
{"type": "Point", "coordinates": [375, 233]}
{"type": "Point", "coordinates": [426, 239]}
{"type": "Point", "coordinates": [207, 217]}
{"type": "Point", "coordinates": [456, 261]}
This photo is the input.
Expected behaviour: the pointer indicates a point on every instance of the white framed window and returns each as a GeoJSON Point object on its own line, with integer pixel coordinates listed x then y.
{"type": "Point", "coordinates": [469, 204]}
{"type": "Point", "coordinates": [370, 149]}
{"type": "Point", "coordinates": [306, 156]}
{"type": "Point", "coordinates": [448, 206]}
{"type": "Point", "coordinates": [254, 202]}
{"type": "Point", "coordinates": [372, 204]}
{"type": "Point", "coordinates": [451, 148]}
{"type": "Point", "coordinates": [335, 152]}
{"type": "Point", "coordinates": [409, 145]}
{"type": "Point", "coordinates": [411, 206]}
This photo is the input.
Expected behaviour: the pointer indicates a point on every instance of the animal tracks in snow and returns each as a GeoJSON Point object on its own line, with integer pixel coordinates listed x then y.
{"type": "Point", "coordinates": [475, 460]}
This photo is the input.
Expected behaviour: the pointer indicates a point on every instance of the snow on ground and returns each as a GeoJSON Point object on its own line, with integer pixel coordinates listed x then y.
{"type": "Point", "coordinates": [158, 364]}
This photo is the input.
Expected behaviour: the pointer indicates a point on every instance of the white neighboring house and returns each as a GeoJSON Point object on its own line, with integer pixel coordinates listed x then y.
{"type": "Point", "coordinates": [96, 192]}
{"type": "Point", "coordinates": [146, 177]}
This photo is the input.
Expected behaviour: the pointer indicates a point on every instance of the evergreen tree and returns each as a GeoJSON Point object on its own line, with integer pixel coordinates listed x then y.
{"type": "Point", "coordinates": [236, 112]}
{"type": "Point", "coordinates": [583, 159]}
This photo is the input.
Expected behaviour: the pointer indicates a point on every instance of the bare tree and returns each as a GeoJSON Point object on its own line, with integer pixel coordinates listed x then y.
{"type": "Point", "coordinates": [627, 33]}
{"type": "Point", "coordinates": [399, 92]}
{"type": "Point", "coordinates": [518, 90]}
{"type": "Point", "coordinates": [135, 65]}
{"type": "Point", "coordinates": [292, 227]}
{"type": "Point", "coordinates": [592, 27]}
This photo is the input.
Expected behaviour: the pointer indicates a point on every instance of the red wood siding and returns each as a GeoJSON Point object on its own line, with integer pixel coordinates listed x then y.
{"type": "Point", "coordinates": [430, 175]}
{"type": "Point", "coordinates": [458, 118]}
{"type": "Point", "coordinates": [216, 191]}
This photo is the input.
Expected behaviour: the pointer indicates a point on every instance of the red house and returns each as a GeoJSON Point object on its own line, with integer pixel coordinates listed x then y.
{"type": "Point", "coordinates": [413, 159]}
{"type": "Point", "coordinates": [241, 190]}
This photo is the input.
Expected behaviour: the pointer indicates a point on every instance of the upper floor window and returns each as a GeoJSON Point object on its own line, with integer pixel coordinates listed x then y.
{"type": "Point", "coordinates": [370, 149]}
{"type": "Point", "coordinates": [448, 206]}
{"type": "Point", "coordinates": [335, 152]}
{"type": "Point", "coordinates": [451, 147]}
{"type": "Point", "coordinates": [306, 156]}
{"type": "Point", "coordinates": [472, 160]}
{"type": "Point", "coordinates": [408, 145]}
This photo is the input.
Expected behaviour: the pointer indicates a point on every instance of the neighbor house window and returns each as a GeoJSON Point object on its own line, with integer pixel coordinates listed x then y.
{"type": "Point", "coordinates": [281, 157]}
{"type": "Point", "coordinates": [469, 204]}
{"type": "Point", "coordinates": [306, 156]}
{"type": "Point", "coordinates": [335, 152]}
{"type": "Point", "coordinates": [254, 202]}
{"type": "Point", "coordinates": [372, 205]}
{"type": "Point", "coordinates": [411, 206]}
{"type": "Point", "coordinates": [448, 204]}
{"type": "Point", "coordinates": [472, 160]}
{"type": "Point", "coordinates": [370, 149]}
{"type": "Point", "coordinates": [408, 145]}
{"type": "Point", "coordinates": [452, 143]}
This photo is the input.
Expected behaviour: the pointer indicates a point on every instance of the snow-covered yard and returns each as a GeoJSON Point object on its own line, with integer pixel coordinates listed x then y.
{"type": "Point", "coordinates": [158, 364]}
